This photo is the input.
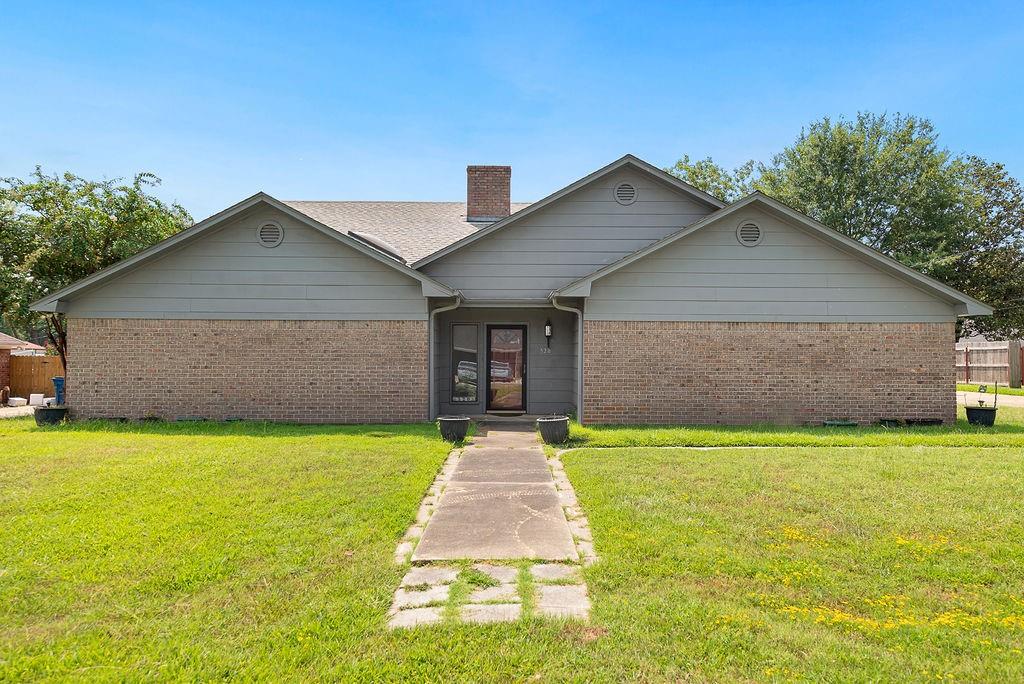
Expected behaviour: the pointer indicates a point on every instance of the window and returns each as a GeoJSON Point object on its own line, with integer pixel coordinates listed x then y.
{"type": "Point", "coordinates": [465, 354]}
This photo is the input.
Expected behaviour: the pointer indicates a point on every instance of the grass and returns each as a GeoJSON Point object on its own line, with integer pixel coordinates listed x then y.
{"type": "Point", "coordinates": [200, 551]}
{"type": "Point", "coordinates": [254, 551]}
{"type": "Point", "coordinates": [1009, 391]}
{"type": "Point", "coordinates": [894, 564]}
{"type": "Point", "coordinates": [1008, 432]}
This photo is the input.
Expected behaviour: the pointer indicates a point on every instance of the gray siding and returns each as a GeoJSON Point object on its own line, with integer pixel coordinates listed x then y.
{"type": "Point", "coordinates": [226, 274]}
{"type": "Point", "coordinates": [791, 276]}
{"type": "Point", "coordinates": [550, 375]}
{"type": "Point", "coordinates": [571, 238]}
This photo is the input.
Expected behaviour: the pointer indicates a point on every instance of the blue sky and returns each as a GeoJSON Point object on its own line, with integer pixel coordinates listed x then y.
{"type": "Point", "coordinates": [373, 101]}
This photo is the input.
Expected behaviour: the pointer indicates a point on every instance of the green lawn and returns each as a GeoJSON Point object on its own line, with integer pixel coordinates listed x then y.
{"type": "Point", "coordinates": [247, 551]}
{"type": "Point", "coordinates": [1015, 391]}
{"type": "Point", "coordinates": [1008, 432]}
{"type": "Point", "coordinates": [201, 550]}
{"type": "Point", "coordinates": [893, 564]}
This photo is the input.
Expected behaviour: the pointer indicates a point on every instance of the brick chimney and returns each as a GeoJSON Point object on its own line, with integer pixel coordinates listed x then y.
{"type": "Point", "coordinates": [488, 193]}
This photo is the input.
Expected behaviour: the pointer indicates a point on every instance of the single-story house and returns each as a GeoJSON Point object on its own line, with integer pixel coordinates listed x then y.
{"type": "Point", "coordinates": [8, 346]}
{"type": "Point", "coordinates": [628, 296]}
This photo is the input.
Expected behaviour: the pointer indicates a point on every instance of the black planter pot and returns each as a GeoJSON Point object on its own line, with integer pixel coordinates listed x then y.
{"type": "Point", "coordinates": [50, 415]}
{"type": "Point", "coordinates": [553, 429]}
{"type": "Point", "coordinates": [981, 415]}
{"type": "Point", "coordinates": [453, 428]}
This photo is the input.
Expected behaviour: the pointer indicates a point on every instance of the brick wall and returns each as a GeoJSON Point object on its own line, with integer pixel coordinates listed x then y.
{"type": "Point", "coordinates": [488, 191]}
{"type": "Point", "coordinates": [5, 368]}
{"type": "Point", "coordinates": [303, 371]}
{"type": "Point", "coordinates": [706, 373]}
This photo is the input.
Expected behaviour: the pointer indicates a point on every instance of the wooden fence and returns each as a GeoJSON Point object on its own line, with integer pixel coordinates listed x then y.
{"type": "Point", "coordinates": [34, 375]}
{"type": "Point", "coordinates": [989, 362]}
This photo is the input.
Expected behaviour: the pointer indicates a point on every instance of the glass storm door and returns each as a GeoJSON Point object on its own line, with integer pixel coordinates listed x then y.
{"type": "Point", "coordinates": [506, 368]}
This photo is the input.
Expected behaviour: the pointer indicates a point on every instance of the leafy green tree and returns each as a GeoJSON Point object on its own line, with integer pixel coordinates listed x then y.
{"type": "Point", "coordinates": [708, 176]}
{"type": "Point", "coordinates": [887, 182]}
{"type": "Point", "coordinates": [988, 258]}
{"type": "Point", "coordinates": [57, 229]}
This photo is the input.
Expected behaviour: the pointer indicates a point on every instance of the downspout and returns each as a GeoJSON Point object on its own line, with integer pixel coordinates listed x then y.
{"type": "Point", "coordinates": [432, 403]}
{"type": "Point", "coordinates": [579, 351]}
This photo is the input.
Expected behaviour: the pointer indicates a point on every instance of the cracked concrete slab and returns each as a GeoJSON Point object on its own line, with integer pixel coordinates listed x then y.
{"type": "Point", "coordinates": [505, 574]}
{"type": "Point", "coordinates": [491, 521]}
{"type": "Point", "coordinates": [429, 575]}
{"type": "Point", "coordinates": [563, 600]}
{"type": "Point", "coordinates": [547, 572]}
{"type": "Point", "coordinates": [491, 612]}
{"type": "Point", "coordinates": [405, 598]}
{"type": "Point", "coordinates": [505, 593]}
{"type": "Point", "coordinates": [502, 465]}
{"type": "Point", "coordinates": [415, 617]}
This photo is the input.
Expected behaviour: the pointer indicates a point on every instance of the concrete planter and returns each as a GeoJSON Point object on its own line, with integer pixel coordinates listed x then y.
{"type": "Point", "coordinates": [453, 428]}
{"type": "Point", "coordinates": [553, 429]}
{"type": "Point", "coordinates": [50, 415]}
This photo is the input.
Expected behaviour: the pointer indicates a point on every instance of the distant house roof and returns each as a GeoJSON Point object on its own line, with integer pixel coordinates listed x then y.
{"type": "Point", "coordinates": [416, 229]}
{"type": "Point", "coordinates": [8, 342]}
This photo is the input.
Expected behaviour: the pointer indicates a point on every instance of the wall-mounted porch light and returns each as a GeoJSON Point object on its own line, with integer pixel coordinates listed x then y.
{"type": "Point", "coordinates": [548, 332]}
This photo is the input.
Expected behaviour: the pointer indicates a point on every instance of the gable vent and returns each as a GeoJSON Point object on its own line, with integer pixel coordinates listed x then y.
{"type": "Point", "coordinates": [625, 193]}
{"type": "Point", "coordinates": [270, 234]}
{"type": "Point", "coordinates": [749, 234]}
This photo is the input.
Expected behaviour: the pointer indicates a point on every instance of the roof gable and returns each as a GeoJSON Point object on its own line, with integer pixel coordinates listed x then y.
{"type": "Point", "coordinates": [628, 160]}
{"type": "Point", "coordinates": [52, 302]}
{"type": "Point", "coordinates": [966, 305]}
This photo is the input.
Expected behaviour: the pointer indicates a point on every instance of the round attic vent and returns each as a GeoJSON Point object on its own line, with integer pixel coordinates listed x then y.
{"type": "Point", "coordinates": [749, 234]}
{"type": "Point", "coordinates": [625, 193]}
{"type": "Point", "coordinates": [270, 234]}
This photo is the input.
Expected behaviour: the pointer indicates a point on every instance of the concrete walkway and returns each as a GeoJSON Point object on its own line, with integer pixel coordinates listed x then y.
{"type": "Point", "coordinates": [16, 411]}
{"type": "Point", "coordinates": [972, 398]}
{"type": "Point", "coordinates": [501, 503]}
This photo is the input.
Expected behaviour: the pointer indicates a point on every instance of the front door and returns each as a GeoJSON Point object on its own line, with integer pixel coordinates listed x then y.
{"type": "Point", "coordinates": [506, 368]}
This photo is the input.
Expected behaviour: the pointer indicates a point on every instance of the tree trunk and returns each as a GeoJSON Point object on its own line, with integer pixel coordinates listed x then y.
{"type": "Point", "coordinates": [57, 333]}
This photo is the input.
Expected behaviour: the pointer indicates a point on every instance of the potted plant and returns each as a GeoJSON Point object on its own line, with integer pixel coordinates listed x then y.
{"type": "Point", "coordinates": [981, 414]}
{"type": "Point", "coordinates": [553, 429]}
{"type": "Point", "coordinates": [56, 412]}
{"type": "Point", "coordinates": [453, 428]}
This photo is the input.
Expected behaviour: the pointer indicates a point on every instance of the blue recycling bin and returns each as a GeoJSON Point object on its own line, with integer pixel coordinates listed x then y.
{"type": "Point", "coordinates": [58, 391]}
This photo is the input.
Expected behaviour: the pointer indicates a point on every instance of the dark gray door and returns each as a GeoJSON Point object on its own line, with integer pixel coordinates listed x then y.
{"type": "Point", "coordinates": [506, 368]}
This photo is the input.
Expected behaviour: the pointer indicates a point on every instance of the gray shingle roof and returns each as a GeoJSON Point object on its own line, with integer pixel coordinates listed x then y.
{"type": "Point", "coordinates": [416, 229]}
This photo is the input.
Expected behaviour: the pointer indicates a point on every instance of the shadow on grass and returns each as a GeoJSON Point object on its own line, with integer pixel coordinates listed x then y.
{"type": "Point", "coordinates": [244, 428]}
{"type": "Point", "coordinates": [579, 435]}
{"type": "Point", "coordinates": [960, 433]}
{"type": "Point", "coordinates": [959, 427]}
